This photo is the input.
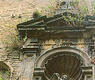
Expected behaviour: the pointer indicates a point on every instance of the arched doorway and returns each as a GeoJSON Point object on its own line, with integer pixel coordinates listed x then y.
{"type": "Point", "coordinates": [4, 71]}
{"type": "Point", "coordinates": [63, 61]}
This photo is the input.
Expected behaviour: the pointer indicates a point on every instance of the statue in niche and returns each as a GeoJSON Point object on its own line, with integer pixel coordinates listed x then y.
{"type": "Point", "coordinates": [56, 76]}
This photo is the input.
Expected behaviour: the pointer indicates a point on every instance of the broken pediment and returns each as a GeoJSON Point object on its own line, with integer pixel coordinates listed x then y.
{"type": "Point", "coordinates": [63, 22]}
{"type": "Point", "coordinates": [43, 21]}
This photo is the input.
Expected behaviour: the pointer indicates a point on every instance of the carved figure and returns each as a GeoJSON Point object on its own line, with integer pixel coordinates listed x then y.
{"type": "Point", "coordinates": [56, 76]}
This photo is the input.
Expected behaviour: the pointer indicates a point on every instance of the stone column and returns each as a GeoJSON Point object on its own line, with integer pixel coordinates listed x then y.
{"type": "Point", "coordinates": [93, 72]}
{"type": "Point", "coordinates": [93, 56]}
{"type": "Point", "coordinates": [88, 72]}
{"type": "Point", "coordinates": [26, 68]}
{"type": "Point", "coordinates": [30, 52]}
{"type": "Point", "coordinates": [38, 73]}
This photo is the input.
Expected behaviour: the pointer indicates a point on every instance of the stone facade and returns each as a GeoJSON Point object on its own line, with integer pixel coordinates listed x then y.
{"type": "Point", "coordinates": [36, 60]}
{"type": "Point", "coordinates": [57, 47]}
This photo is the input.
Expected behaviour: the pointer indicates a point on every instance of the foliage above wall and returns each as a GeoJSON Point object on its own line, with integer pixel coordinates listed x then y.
{"type": "Point", "coordinates": [78, 7]}
{"type": "Point", "coordinates": [75, 7]}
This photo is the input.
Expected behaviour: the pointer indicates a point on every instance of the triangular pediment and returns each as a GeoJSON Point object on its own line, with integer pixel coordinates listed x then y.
{"type": "Point", "coordinates": [55, 23]}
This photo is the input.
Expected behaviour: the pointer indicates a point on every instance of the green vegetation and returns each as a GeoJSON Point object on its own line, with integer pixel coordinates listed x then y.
{"type": "Point", "coordinates": [75, 4]}
{"type": "Point", "coordinates": [51, 8]}
{"type": "Point", "coordinates": [0, 77]}
{"type": "Point", "coordinates": [5, 75]}
{"type": "Point", "coordinates": [93, 5]}
{"type": "Point", "coordinates": [77, 8]}
{"type": "Point", "coordinates": [36, 13]}
{"type": "Point", "coordinates": [73, 21]}
{"type": "Point", "coordinates": [9, 35]}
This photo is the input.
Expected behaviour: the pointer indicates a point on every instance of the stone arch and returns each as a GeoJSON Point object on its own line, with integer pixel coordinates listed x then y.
{"type": "Point", "coordinates": [5, 70]}
{"type": "Point", "coordinates": [42, 58]}
{"type": "Point", "coordinates": [68, 61]}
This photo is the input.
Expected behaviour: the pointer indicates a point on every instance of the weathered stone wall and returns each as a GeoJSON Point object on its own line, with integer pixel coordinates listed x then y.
{"type": "Point", "coordinates": [20, 65]}
{"type": "Point", "coordinates": [79, 44]}
{"type": "Point", "coordinates": [10, 10]}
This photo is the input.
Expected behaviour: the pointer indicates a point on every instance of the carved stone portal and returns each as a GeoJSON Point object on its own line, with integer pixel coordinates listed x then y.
{"type": "Point", "coordinates": [63, 66]}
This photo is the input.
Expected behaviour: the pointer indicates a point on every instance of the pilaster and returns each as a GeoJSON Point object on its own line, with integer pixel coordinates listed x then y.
{"type": "Point", "coordinates": [31, 47]}
{"type": "Point", "coordinates": [87, 72]}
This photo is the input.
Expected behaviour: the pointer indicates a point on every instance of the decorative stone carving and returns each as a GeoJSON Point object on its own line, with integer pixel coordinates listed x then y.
{"type": "Point", "coordinates": [31, 47]}
{"type": "Point", "coordinates": [56, 76]}
{"type": "Point", "coordinates": [87, 71]}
